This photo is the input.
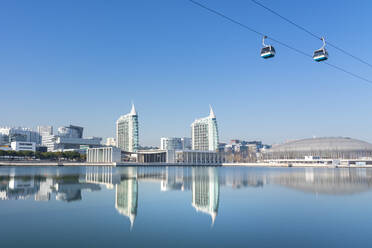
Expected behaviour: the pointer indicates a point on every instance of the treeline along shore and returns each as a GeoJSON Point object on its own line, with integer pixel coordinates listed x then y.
{"type": "Point", "coordinates": [46, 156]}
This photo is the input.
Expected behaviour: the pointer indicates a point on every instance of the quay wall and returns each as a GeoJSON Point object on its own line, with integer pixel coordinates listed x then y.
{"type": "Point", "coordinates": [123, 164]}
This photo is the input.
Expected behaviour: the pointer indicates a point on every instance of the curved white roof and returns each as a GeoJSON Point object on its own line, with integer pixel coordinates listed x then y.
{"type": "Point", "coordinates": [323, 144]}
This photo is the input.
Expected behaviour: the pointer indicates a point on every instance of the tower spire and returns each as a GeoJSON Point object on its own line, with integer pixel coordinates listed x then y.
{"type": "Point", "coordinates": [211, 112]}
{"type": "Point", "coordinates": [133, 110]}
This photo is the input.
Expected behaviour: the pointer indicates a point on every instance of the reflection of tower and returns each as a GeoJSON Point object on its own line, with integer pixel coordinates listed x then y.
{"type": "Point", "coordinates": [127, 197]}
{"type": "Point", "coordinates": [45, 190]}
{"type": "Point", "coordinates": [205, 191]}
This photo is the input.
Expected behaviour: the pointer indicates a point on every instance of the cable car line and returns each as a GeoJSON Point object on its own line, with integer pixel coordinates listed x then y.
{"type": "Point", "coordinates": [348, 72]}
{"type": "Point", "coordinates": [310, 33]}
{"type": "Point", "coordinates": [248, 28]}
{"type": "Point", "coordinates": [275, 40]}
{"type": "Point", "coordinates": [226, 17]}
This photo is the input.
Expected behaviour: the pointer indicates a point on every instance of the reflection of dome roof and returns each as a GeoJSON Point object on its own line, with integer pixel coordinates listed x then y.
{"type": "Point", "coordinates": [323, 144]}
{"type": "Point", "coordinates": [331, 189]}
{"type": "Point", "coordinates": [326, 181]}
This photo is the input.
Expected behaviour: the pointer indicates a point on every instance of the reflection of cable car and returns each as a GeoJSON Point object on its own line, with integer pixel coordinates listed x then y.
{"type": "Point", "coordinates": [267, 51]}
{"type": "Point", "coordinates": [321, 54]}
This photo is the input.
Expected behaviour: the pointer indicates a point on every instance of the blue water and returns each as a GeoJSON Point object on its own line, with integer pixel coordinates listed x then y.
{"type": "Point", "coordinates": [185, 207]}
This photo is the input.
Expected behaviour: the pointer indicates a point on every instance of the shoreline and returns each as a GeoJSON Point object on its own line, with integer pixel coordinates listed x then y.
{"type": "Point", "coordinates": [124, 164]}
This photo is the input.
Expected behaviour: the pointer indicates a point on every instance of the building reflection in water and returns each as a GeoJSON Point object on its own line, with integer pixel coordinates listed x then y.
{"type": "Point", "coordinates": [125, 184]}
{"type": "Point", "coordinates": [204, 183]}
{"type": "Point", "coordinates": [326, 181]}
{"type": "Point", "coordinates": [21, 186]}
{"type": "Point", "coordinates": [205, 191]}
{"type": "Point", "coordinates": [126, 197]}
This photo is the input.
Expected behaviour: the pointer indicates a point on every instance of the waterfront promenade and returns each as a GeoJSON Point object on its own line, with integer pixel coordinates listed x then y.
{"type": "Point", "coordinates": [132, 164]}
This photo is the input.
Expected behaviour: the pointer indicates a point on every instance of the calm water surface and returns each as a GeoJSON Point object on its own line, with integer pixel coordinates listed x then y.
{"type": "Point", "coordinates": [185, 207]}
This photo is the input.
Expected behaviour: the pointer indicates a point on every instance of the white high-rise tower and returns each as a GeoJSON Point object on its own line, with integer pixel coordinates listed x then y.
{"type": "Point", "coordinates": [204, 133]}
{"type": "Point", "coordinates": [127, 131]}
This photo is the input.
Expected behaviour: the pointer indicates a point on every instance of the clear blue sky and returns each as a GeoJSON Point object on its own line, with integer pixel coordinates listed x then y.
{"type": "Point", "coordinates": [83, 62]}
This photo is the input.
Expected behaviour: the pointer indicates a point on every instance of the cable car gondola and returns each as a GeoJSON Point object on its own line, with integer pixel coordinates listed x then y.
{"type": "Point", "coordinates": [267, 51]}
{"type": "Point", "coordinates": [321, 54]}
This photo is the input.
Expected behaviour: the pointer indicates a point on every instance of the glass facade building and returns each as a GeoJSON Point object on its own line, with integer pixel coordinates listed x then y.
{"type": "Point", "coordinates": [127, 131]}
{"type": "Point", "coordinates": [71, 132]}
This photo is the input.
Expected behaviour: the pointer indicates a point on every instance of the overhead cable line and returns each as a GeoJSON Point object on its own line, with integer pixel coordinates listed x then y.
{"type": "Point", "coordinates": [273, 39]}
{"type": "Point", "coordinates": [311, 33]}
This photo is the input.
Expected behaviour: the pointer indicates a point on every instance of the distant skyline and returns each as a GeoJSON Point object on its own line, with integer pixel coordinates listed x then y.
{"type": "Point", "coordinates": [83, 62]}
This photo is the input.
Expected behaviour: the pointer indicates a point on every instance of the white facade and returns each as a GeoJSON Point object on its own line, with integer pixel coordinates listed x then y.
{"type": "Point", "coordinates": [49, 141]}
{"type": "Point", "coordinates": [110, 142]}
{"type": "Point", "coordinates": [23, 146]}
{"type": "Point", "coordinates": [204, 133]}
{"type": "Point", "coordinates": [198, 157]}
{"type": "Point", "coordinates": [127, 131]}
{"type": "Point", "coordinates": [45, 130]}
{"type": "Point", "coordinates": [104, 155]}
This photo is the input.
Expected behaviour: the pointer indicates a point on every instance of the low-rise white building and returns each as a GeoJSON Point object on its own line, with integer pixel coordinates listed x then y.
{"type": "Point", "coordinates": [23, 146]}
{"type": "Point", "coordinates": [198, 157]}
{"type": "Point", "coordinates": [104, 155]}
{"type": "Point", "coordinates": [189, 157]}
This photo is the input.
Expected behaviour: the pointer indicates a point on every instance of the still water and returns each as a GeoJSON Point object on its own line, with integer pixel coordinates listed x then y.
{"type": "Point", "coordinates": [185, 207]}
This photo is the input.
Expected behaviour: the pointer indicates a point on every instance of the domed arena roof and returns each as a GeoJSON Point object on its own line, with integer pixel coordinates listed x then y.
{"type": "Point", "coordinates": [323, 144]}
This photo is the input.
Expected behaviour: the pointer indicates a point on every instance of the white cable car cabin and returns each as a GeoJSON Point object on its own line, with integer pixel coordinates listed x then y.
{"type": "Point", "coordinates": [321, 54]}
{"type": "Point", "coordinates": [267, 51]}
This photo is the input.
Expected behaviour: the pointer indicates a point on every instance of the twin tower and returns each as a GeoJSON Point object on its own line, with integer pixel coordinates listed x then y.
{"type": "Point", "coordinates": [204, 132]}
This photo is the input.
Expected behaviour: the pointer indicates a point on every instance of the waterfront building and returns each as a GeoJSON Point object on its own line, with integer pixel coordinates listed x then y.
{"type": "Point", "coordinates": [319, 149]}
{"type": "Point", "coordinates": [193, 157]}
{"type": "Point", "coordinates": [127, 131]}
{"type": "Point", "coordinates": [45, 130]}
{"type": "Point", "coordinates": [110, 141]}
{"type": "Point", "coordinates": [104, 155]}
{"type": "Point", "coordinates": [71, 132]}
{"type": "Point", "coordinates": [152, 156]}
{"type": "Point", "coordinates": [23, 146]}
{"type": "Point", "coordinates": [187, 157]}
{"type": "Point", "coordinates": [69, 137]}
{"type": "Point", "coordinates": [172, 143]}
{"type": "Point", "coordinates": [50, 142]}
{"type": "Point", "coordinates": [19, 134]}
{"type": "Point", "coordinates": [58, 143]}
{"type": "Point", "coordinates": [186, 143]}
{"type": "Point", "coordinates": [204, 133]}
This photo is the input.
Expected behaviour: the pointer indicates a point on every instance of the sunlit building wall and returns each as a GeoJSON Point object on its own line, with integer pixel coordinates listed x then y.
{"type": "Point", "coordinates": [204, 133]}
{"type": "Point", "coordinates": [127, 131]}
